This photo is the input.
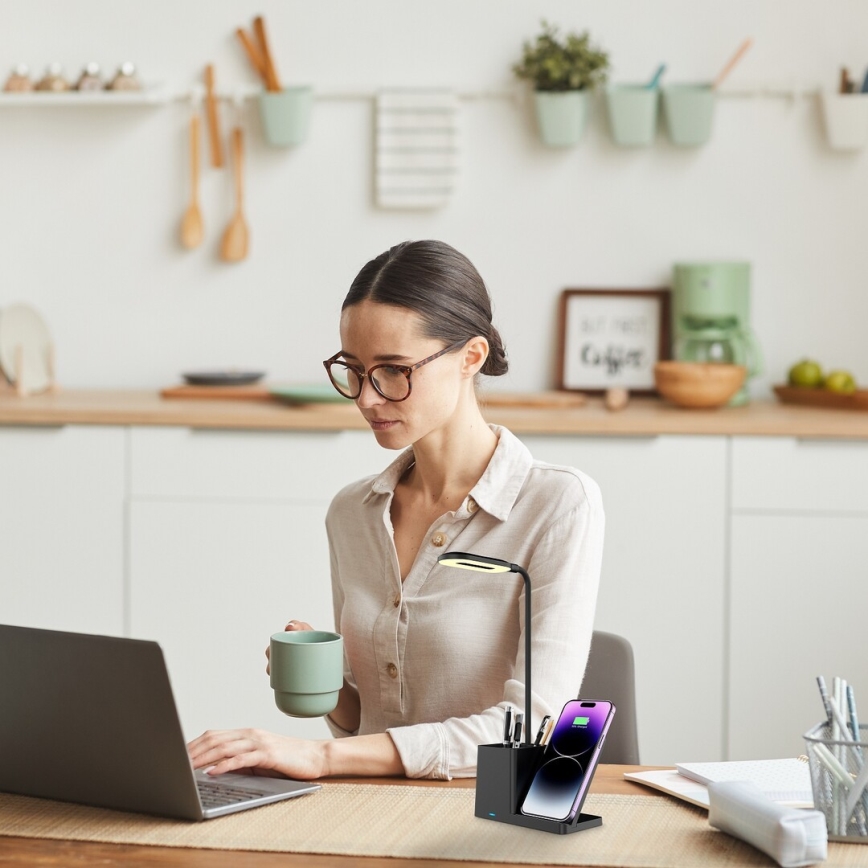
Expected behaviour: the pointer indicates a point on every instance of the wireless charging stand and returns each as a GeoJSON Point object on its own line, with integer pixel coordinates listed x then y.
{"type": "Point", "coordinates": [503, 776]}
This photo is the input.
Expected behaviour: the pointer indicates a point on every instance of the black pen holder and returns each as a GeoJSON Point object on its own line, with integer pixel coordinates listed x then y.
{"type": "Point", "coordinates": [503, 777]}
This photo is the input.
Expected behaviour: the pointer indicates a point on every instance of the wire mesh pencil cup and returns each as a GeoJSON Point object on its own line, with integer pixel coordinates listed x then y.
{"type": "Point", "coordinates": [839, 779]}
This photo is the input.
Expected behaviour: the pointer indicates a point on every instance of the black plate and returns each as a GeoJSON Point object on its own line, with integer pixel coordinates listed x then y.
{"type": "Point", "coordinates": [223, 378]}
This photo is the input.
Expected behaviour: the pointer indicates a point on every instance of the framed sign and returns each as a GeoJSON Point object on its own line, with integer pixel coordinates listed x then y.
{"type": "Point", "coordinates": [612, 337]}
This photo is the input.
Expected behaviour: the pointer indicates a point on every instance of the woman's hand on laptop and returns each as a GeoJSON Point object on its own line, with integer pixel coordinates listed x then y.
{"type": "Point", "coordinates": [258, 752]}
{"type": "Point", "coordinates": [292, 625]}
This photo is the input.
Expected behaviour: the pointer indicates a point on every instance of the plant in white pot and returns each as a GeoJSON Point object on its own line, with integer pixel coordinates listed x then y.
{"type": "Point", "coordinates": [562, 73]}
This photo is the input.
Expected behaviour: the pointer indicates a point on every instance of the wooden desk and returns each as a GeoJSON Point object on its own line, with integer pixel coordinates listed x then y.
{"type": "Point", "coordinates": [65, 854]}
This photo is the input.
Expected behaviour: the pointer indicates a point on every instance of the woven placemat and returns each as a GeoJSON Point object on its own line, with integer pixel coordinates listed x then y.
{"type": "Point", "coordinates": [413, 822]}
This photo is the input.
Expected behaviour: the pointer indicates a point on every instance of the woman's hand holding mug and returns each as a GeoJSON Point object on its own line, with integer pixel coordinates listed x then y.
{"type": "Point", "coordinates": [291, 625]}
{"type": "Point", "coordinates": [306, 668]}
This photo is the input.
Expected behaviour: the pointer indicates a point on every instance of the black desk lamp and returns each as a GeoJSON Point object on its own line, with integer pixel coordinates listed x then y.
{"type": "Point", "coordinates": [482, 564]}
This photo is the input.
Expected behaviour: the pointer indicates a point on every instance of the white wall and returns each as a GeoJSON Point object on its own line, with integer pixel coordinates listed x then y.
{"type": "Point", "coordinates": [91, 198]}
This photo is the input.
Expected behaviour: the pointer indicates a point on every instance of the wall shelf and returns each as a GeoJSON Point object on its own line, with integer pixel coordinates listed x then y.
{"type": "Point", "coordinates": [150, 95]}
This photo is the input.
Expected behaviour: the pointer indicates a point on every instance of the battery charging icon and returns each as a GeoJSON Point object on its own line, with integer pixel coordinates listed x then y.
{"type": "Point", "coordinates": [581, 721]}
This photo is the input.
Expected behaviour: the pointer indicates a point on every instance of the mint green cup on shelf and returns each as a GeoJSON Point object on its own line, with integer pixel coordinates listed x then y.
{"type": "Point", "coordinates": [689, 112]}
{"type": "Point", "coordinates": [307, 671]}
{"type": "Point", "coordinates": [561, 115]}
{"type": "Point", "coordinates": [633, 114]}
{"type": "Point", "coordinates": [285, 115]}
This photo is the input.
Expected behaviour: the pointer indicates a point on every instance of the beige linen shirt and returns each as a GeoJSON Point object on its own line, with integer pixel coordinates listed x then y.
{"type": "Point", "coordinates": [436, 659]}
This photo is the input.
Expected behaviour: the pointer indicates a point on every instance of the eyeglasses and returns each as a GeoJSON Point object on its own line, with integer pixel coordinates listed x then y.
{"type": "Point", "coordinates": [390, 381]}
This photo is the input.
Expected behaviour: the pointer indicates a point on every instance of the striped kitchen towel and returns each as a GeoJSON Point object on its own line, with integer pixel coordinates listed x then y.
{"type": "Point", "coordinates": [417, 148]}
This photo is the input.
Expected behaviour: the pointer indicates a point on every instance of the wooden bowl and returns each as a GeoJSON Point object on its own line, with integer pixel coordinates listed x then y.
{"type": "Point", "coordinates": [698, 384]}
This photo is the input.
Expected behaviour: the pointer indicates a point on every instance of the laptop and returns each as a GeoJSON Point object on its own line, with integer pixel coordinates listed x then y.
{"type": "Point", "coordinates": [92, 719]}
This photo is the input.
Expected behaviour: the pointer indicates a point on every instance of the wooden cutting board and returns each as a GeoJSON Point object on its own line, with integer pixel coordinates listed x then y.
{"type": "Point", "coordinates": [822, 398]}
{"type": "Point", "coordinates": [261, 392]}
{"type": "Point", "coordinates": [255, 392]}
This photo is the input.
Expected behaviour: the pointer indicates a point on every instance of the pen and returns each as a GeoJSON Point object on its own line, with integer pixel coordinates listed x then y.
{"type": "Point", "coordinates": [851, 708]}
{"type": "Point", "coordinates": [542, 729]}
{"type": "Point", "coordinates": [547, 734]}
{"type": "Point", "coordinates": [507, 727]}
{"type": "Point", "coordinates": [840, 728]}
{"type": "Point", "coordinates": [516, 735]}
{"type": "Point", "coordinates": [824, 695]}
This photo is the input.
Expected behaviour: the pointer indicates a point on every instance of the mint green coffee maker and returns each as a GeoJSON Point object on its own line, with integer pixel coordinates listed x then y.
{"type": "Point", "coordinates": [711, 317]}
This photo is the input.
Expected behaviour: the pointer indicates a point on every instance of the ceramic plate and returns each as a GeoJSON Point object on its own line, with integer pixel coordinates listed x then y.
{"type": "Point", "coordinates": [317, 393]}
{"type": "Point", "coordinates": [24, 336]}
{"type": "Point", "coordinates": [223, 378]}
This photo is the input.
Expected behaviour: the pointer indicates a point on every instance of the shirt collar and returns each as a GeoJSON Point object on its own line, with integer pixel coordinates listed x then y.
{"type": "Point", "coordinates": [499, 485]}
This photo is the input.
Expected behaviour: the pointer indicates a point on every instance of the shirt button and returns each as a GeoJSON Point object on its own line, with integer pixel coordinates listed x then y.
{"type": "Point", "coordinates": [472, 505]}
{"type": "Point", "coordinates": [439, 539]}
{"type": "Point", "coordinates": [392, 670]}
{"type": "Point", "coordinates": [397, 601]}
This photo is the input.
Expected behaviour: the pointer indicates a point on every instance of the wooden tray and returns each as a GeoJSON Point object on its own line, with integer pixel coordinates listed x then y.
{"type": "Point", "coordinates": [822, 398]}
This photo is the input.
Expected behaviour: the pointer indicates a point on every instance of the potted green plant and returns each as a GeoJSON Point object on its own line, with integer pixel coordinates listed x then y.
{"type": "Point", "coordinates": [563, 72]}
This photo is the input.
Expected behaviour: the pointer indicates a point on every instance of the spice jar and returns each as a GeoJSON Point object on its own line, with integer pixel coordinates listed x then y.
{"type": "Point", "coordinates": [90, 78]}
{"type": "Point", "coordinates": [125, 78]}
{"type": "Point", "coordinates": [53, 79]}
{"type": "Point", "coordinates": [19, 80]}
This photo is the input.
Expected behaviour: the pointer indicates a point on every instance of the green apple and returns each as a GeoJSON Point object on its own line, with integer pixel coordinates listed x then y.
{"type": "Point", "coordinates": [841, 382]}
{"type": "Point", "coordinates": [806, 373]}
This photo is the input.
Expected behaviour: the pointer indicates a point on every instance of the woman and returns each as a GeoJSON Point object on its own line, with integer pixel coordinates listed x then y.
{"type": "Point", "coordinates": [435, 655]}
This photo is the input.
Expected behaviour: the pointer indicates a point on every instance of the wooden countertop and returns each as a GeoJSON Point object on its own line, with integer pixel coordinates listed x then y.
{"type": "Point", "coordinates": [642, 418]}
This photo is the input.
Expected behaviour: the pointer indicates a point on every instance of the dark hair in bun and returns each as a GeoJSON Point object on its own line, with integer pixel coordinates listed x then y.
{"type": "Point", "coordinates": [441, 285]}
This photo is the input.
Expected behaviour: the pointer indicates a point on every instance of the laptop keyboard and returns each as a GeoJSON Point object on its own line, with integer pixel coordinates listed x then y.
{"type": "Point", "coordinates": [215, 794]}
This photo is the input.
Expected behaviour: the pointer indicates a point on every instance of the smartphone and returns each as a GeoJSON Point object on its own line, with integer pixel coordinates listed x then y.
{"type": "Point", "coordinates": [561, 783]}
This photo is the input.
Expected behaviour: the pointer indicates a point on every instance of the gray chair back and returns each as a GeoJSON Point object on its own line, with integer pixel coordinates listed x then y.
{"type": "Point", "coordinates": [610, 675]}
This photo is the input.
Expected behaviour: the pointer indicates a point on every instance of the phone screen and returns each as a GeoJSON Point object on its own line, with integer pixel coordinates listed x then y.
{"type": "Point", "coordinates": [559, 786]}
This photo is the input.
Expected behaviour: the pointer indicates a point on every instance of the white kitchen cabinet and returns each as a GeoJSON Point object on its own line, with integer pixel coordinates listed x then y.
{"type": "Point", "coordinates": [62, 521]}
{"type": "Point", "coordinates": [794, 473]}
{"type": "Point", "coordinates": [309, 466]}
{"type": "Point", "coordinates": [799, 610]}
{"type": "Point", "coordinates": [799, 586]}
{"type": "Point", "coordinates": [663, 578]}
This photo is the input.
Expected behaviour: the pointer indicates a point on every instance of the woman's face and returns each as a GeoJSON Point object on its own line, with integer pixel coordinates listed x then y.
{"type": "Point", "coordinates": [374, 333]}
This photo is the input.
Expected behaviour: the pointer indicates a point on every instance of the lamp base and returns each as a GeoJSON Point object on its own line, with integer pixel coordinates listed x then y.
{"type": "Point", "coordinates": [503, 776]}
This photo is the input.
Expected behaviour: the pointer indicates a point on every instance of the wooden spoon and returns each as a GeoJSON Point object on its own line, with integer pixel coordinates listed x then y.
{"type": "Point", "coordinates": [272, 82]}
{"type": "Point", "coordinates": [732, 62]}
{"type": "Point", "coordinates": [192, 229]}
{"type": "Point", "coordinates": [236, 238]}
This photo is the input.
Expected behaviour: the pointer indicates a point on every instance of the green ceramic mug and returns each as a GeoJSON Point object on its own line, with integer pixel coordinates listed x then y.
{"type": "Point", "coordinates": [307, 671]}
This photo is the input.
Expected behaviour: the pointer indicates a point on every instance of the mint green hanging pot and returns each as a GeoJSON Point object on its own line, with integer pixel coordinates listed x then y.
{"type": "Point", "coordinates": [562, 116]}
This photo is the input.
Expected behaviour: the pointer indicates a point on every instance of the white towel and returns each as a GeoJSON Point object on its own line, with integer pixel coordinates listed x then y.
{"type": "Point", "coordinates": [417, 148]}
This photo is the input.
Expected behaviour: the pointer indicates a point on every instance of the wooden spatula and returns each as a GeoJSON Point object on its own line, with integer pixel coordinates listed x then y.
{"type": "Point", "coordinates": [192, 230]}
{"type": "Point", "coordinates": [213, 120]}
{"type": "Point", "coordinates": [235, 242]}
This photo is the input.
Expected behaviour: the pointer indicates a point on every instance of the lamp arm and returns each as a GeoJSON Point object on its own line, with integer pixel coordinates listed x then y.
{"type": "Point", "coordinates": [527, 668]}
